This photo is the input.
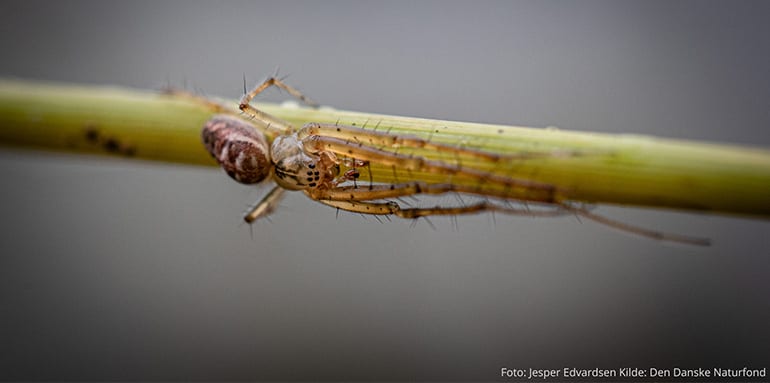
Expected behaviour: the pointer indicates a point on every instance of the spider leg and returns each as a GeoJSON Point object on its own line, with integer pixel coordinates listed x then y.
{"type": "Point", "coordinates": [266, 205]}
{"type": "Point", "coordinates": [658, 235]}
{"type": "Point", "coordinates": [356, 200]}
{"type": "Point", "coordinates": [407, 189]}
{"type": "Point", "coordinates": [353, 199]}
{"type": "Point", "coordinates": [392, 208]}
{"type": "Point", "coordinates": [382, 140]}
{"type": "Point", "coordinates": [274, 126]}
{"type": "Point", "coordinates": [214, 106]}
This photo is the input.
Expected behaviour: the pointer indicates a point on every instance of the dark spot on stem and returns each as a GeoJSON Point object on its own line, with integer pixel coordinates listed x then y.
{"type": "Point", "coordinates": [112, 145]}
{"type": "Point", "coordinates": [92, 134]}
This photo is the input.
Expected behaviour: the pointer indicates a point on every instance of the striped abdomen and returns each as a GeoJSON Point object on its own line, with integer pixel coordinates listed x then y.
{"type": "Point", "coordinates": [239, 147]}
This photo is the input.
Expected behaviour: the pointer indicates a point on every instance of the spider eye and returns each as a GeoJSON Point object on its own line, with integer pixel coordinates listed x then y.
{"type": "Point", "coordinates": [295, 173]}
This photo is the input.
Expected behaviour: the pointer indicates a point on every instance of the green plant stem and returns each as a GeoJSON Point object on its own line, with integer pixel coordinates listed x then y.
{"type": "Point", "coordinates": [591, 167]}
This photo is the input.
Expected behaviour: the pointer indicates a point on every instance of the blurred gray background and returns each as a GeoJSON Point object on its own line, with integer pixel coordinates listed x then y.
{"type": "Point", "coordinates": [112, 269]}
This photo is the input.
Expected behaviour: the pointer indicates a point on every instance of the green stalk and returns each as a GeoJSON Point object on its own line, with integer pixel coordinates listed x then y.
{"type": "Point", "coordinates": [591, 167]}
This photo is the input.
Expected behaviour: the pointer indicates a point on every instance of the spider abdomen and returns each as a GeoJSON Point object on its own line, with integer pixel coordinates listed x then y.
{"type": "Point", "coordinates": [238, 147]}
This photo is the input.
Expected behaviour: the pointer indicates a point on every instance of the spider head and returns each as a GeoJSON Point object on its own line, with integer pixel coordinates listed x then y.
{"type": "Point", "coordinates": [294, 168]}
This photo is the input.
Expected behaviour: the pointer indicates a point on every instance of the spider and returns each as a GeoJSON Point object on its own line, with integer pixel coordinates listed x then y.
{"type": "Point", "coordinates": [322, 161]}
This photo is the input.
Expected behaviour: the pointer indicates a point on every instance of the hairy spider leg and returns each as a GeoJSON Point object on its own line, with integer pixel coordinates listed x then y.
{"type": "Point", "coordinates": [658, 235]}
{"type": "Point", "coordinates": [384, 191]}
{"type": "Point", "coordinates": [214, 106]}
{"type": "Point", "coordinates": [392, 208]}
{"type": "Point", "coordinates": [266, 206]}
{"type": "Point", "coordinates": [352, 199]}
{"type": "Point", "coordinates": [381, 139]}
{"type": "Point", "coordinates": [273, 126]}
